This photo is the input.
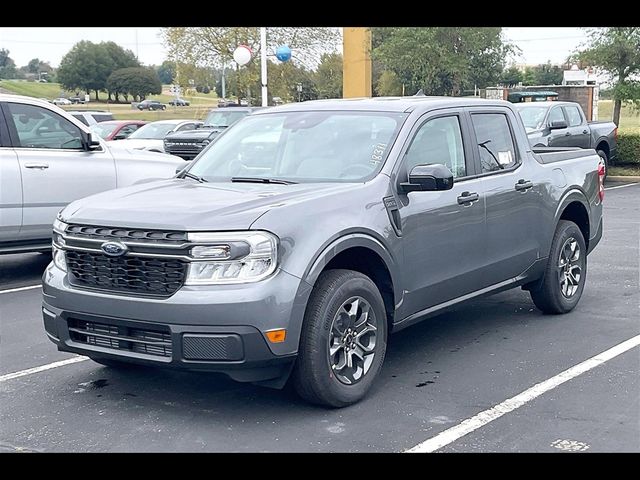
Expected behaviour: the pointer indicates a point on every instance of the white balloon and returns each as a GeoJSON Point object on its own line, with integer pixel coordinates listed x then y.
{"type": "Point", "coordinates": [242, 55]}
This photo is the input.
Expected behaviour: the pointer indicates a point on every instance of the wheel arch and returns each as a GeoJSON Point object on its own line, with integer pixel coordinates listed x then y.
{"type": "Point", "coordinates": [366, 254]}
{"type": "Point", "coordinates": [575, 207]}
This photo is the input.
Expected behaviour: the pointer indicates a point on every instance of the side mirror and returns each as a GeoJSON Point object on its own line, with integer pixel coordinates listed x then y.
{"type": "Point", "coordinates": [90, 143]}
{"type": "Point", "coordinates": [120, 136]}
{"type": "Point", "coordinates": [182, 167]}
{"type": "Point", "coordinates": [428, 178]}
{"type": "Point", "coordinates": [558, 124]}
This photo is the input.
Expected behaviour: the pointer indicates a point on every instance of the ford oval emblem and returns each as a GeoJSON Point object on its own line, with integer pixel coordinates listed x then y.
{"type": "Point", "coordinates": [114, 249]}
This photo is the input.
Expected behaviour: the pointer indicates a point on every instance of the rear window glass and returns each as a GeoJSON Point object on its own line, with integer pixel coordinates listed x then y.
{"type": "Point", "coordinates": [103, 117]}
{"type": "Point", "coordinates": [81, 118]}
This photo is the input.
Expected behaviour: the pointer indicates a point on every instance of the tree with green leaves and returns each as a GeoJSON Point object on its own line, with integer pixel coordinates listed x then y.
{"type": "Point", "coordinates": [441, 60]}
{"type": "Point", "coordinates": [166, 72]}
{"type": "Point", "coordinates": [7, 65]}
{"type": "Point", "coordinates": [388, 85]}
{"type": "Point", "coordinates": [328, 76]}
{"type": "Point", "coordinates": [135, 81]}
{"type": "Point", "coordinates": [615, 52]}
{"type": "Point", "coordinates": [87, 65]}
{"type": "Point", "coordinates": [214, 47]}
{"type": "Point", "coordinates": [511, 77]}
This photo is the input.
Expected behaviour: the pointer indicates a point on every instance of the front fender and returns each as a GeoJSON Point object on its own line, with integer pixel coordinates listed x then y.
{"type": "Point", "coordinates": [350, 240]}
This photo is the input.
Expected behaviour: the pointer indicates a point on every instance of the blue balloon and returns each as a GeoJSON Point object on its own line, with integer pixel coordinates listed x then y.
{"type": "Point", "coordinates": [283, 53]}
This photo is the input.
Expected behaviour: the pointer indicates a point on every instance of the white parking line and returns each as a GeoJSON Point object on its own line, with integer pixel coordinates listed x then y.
{"type": "Point", "coordinates": [41, 368]}
{"type": "Point", "coordinates": [20, 289]}
{"type": "Point", "coordinates": [470, 424]}
{"type": "Point", "coordinates": [622, 186]}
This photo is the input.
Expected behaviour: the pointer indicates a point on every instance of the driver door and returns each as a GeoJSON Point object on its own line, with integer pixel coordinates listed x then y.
{"type": "Point", "coordinates": [442, 231]}
{"type": "Point", "coordinates": [54, 167]}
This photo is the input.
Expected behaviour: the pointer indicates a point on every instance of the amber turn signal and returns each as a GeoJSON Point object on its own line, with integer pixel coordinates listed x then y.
{"type": "Point", "coordinates": [276, 336]}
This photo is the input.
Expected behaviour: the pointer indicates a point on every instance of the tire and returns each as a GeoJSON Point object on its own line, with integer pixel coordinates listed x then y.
{"type": "Point", "coordinates": [313, 376]}
{"type": "Point", "coordinates": [555, 294]}
{"type": "Point", "coordinates": [164, 107]}
{"type": "Point", "coordinates": [605, 159]}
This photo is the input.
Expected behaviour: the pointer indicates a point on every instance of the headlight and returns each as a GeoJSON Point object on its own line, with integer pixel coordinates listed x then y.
{"type": "Point", "coordinates": [233, 257]}
{"type": "Point", "coordinates": [59, 258]}
{"type": "Point", "coordinates": [59, 226]}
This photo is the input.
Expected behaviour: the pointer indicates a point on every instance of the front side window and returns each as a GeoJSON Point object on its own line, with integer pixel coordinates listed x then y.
{"type": "Point", "coordinates": [309, 146]}
{"type": "Point", "coordinates": [574, 116]}
{"type": "Point", "coordinates": [495, 143]}
{"type": "Point", "coordinates": [556, 115]}
{"type": "Point", "coordinates": [38, 127]}
{"type": "Point", "coordinates": [103, 130]}
{"type": "Point", "coordinates": [438, 141]}
{"type": "Point", "coordinates": [532, 117]}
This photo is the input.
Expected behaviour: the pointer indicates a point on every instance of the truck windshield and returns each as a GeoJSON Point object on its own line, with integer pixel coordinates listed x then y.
{"type": "Point", "coordinates": [309, 146]}
{"type": "Point", "coordinates": [223, 119]}
{"type": "Point", "coordinates": [532, 117]}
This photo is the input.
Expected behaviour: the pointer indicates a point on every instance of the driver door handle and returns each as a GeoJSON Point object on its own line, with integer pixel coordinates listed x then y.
{"type": "Point", "coordinates": [523, 185]}
{"type": "Point", "coordinates": [39, 166]}
{"type": "Point", "coordinates": [568, 134]}
{"type": "Point", "coordinates": [467, 198]}
{"type": "Point", "coordinates": [585, 132]}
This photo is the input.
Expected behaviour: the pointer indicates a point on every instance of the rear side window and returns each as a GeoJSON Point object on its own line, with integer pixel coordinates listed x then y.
{"type": "Point", "coordinates": [573, 114]}
{"type": "Point", "coordinates": [495, 143]}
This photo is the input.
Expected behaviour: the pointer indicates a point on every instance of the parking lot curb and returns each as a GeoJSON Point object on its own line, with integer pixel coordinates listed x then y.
{"type": "Point", "coordinates": [623, 178]}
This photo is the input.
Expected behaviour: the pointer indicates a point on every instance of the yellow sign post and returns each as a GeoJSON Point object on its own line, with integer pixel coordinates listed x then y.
{"type": "Point", "coordinates": [356, 75]}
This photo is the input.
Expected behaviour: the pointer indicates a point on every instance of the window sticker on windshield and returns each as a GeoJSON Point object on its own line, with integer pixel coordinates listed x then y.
{"type": "Point", "coordinates": [378, 152]}
{"type": "Point", "coordinates": [504, 158]}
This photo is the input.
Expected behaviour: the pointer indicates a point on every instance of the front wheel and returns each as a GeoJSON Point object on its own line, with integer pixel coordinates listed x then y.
{"type": "Point", "coordinates": [343, 341]}
{"type": "Point", "coordinates": [561, 286]}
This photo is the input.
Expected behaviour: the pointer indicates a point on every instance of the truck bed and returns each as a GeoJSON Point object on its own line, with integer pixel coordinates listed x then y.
{"type": "Point", "coordinates": [546, 155]}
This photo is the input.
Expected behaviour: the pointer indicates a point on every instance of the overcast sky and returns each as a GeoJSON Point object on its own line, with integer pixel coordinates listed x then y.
{"type": "Point", "coordinates": [50, 44]}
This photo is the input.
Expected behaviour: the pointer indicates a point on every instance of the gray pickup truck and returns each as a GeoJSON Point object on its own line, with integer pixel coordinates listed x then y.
{"type": "Point", "coordinates": [563, 124]}
{"type": "Point", "coordinates": [48, 158]}
{"type": "Point", "coordinates": [299, 239]}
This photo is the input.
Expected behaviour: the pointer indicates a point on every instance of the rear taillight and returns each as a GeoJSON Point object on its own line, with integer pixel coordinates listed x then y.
{"type": "Point", "coordinates": [601, 173]}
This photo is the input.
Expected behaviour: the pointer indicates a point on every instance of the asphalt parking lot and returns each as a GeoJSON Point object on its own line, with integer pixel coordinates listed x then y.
{"type": "Point", "coordinates": [437, 374]}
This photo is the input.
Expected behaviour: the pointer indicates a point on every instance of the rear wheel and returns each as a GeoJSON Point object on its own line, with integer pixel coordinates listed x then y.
{"type": "Point", "coordinates": [561, 287]}
{"type": "Point", "coordinates": [343, 341]}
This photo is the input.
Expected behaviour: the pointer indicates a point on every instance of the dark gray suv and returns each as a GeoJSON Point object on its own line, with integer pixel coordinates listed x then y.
{"type": "Point", "coordinates": [301, 237]}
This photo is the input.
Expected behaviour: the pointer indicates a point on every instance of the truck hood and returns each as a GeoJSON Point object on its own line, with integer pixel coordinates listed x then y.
{"type": "Point", "coordinates": [137, 144]}
{"type": "Point", "coordinates": [184, 204]}
{"type": "Point", "coordinates": [127, 154]}
{"type": "Point", "coordinates": [194, 135]}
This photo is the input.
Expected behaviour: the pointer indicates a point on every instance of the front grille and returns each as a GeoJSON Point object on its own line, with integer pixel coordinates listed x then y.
{"type": "Point", "coordinates": [124, 234]}
{"type": "Point", "coordinates": [130, 275]}
{"type": "Point", "coordinates": [184, 150]}
{"type": "Point", "coordinates": [156, 342]}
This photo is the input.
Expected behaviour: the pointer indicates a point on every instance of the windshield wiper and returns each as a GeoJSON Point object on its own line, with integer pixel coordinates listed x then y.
{"type": "Point", "coordinates": [262, 180]}
{"type": "Point", "coordinates": [193, 176]}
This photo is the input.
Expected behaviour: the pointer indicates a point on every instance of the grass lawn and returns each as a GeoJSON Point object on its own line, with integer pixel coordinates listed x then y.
{"type": "Point", "coordinates": [624, 170]}
{"type": "Point", "coordinates": [629, 118]}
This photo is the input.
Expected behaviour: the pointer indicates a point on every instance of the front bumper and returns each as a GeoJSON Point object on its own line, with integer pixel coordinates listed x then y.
{"type": "Point", "coordinates": [213, 328]}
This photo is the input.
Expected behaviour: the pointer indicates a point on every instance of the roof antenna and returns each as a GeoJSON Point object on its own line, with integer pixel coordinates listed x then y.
{"type": "Point", "coordinates": [420, 93]}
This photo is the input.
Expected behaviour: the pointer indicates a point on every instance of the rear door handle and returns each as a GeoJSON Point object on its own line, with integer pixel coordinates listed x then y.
{"type": "Point", "coordinates": [39, 166]}
{"type": "Point", "coordinates": [585, 132]}
{"type": "Point", "coordinates": [467, 198]}
{"type": "Point", "coordinates": [568, 134]}
{"type": "Point", "coordinates": [524, 185]}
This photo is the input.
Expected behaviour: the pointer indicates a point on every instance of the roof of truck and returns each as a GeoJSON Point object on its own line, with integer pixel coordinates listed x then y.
{"type": "Point", "coordinates": [548, 103]}
{"type": "Point", "coordinates": [383, 104]}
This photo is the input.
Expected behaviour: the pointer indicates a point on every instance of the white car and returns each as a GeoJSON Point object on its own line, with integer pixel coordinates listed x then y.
{"type": "Point", "coordinates": [151, 136]}
{"type": "Point", "coordinates": [61, 101]}
{"type": "Point", "coordinates": [50, 159]}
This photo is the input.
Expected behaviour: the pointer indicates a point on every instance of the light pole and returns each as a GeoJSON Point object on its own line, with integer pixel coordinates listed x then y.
{"type": "Point", "coordinates": [263, 65]}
